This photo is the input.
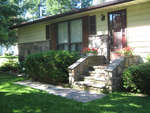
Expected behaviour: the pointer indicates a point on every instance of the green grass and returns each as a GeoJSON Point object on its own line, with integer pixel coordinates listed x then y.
{"type": "Point", "coordinates": [20, 99]}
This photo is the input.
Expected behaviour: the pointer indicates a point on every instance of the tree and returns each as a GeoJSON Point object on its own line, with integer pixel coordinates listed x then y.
{"type": "Point", "coordinates": [52, 7]}
{"type": "Point", "coordinates": [61, 6]}
{"type": "Point", "coordinates": [81, 3]}
{"type": "Point", "coordinates": [11, 12]}
{"type": "Point", "coordinates": [57, 6]}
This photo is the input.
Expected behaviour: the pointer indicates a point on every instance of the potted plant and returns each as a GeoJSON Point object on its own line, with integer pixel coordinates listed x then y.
{"type": "Point", "coordinates": [90, 51]}
{"type": "Point", "coordinates": [127, 51]}
{"type": "Point", "coordinates": [130, 59]}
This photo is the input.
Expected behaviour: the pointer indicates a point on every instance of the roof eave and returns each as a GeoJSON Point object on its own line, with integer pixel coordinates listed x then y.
{"type": "Point", "coordinates": [71, 13]}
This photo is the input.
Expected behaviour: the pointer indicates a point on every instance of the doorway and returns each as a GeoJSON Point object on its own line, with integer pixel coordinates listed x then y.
{"type": "Point", "coordinates": [117, 32]}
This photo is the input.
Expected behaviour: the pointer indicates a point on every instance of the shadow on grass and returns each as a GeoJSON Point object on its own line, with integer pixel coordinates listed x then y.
{"type": "Point", "coordinates": [20, 99]}
{"type": "Point", "coordinates": [121, 103]}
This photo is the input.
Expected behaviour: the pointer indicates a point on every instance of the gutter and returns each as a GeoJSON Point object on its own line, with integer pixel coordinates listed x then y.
{"type": "Point", "coordinates": [107, 4]}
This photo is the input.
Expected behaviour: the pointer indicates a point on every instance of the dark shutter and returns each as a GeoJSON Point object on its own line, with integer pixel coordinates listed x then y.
{"type": "Point", "coordinates": [53, 35]}
{"type": "Point", "coordinates": [92, 25]}
{"type": "Point", "coordinates": [85, 30]}
{"type": "Point", "coordinates": [47, 32]}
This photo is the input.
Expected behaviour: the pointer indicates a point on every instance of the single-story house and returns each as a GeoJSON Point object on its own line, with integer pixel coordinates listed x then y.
{"type": "Point", "coordinates": [120, 22]}
{"type": "Point", "coordinates": [109, 26]}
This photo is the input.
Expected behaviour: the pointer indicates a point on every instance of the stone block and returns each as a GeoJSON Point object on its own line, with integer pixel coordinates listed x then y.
{"type": "Point", "coordinates": [71, 80]}
{"type": "Point", "coordinates": [119, 70]}
{"type": "Point", "coordinates": [33, 47]}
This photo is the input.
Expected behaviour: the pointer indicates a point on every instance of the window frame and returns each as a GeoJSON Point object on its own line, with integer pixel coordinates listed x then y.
{"type": "Point", "coordinates": [92, 24]}
{"type": "Point", "coordinates": [69, 37]}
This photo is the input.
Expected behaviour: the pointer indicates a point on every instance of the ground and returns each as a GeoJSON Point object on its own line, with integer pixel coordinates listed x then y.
{"type": "Point", "coordinates": [21, 99]}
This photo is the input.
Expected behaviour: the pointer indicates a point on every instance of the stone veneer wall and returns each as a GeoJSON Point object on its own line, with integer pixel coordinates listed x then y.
{"type": "Point", "coordinates": [100, 42]}
{"type": "Point", "coordinates": [115, 70]}
{"type": "Point", "coordinates": [33, 47]}
{"type": "Point", "coordinates": [80, 67]}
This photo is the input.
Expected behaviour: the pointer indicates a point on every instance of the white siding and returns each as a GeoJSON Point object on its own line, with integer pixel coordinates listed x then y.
{"type": "Point", "coordinates": [32, 33]}
{"type": "Point", "coordinates": [138, 26]}
{"type": "Point", "coordinates": [138, 31]}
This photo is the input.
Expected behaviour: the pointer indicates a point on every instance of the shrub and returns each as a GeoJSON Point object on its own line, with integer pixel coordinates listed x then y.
{"type": "Point", "coordinates": [148, 58]}
{"type": "Point", "coordinates": [51, 66]}
{"type": "Point", "coordinates": [136, 78]}
{"type": "Point", "coordinates": [10, 66]}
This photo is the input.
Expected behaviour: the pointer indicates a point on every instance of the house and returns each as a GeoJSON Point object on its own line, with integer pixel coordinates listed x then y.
{"type": "Point", "coordinates": [110, 26]}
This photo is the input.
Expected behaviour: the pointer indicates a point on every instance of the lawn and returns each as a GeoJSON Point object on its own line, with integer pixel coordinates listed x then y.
{"type": "Point", "coordinates": [20, 99]}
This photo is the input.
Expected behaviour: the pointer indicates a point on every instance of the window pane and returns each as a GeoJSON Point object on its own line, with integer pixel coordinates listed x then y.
{"type": "Point", "coordinates": [76, 47]}
{"type": "Point", "coordinates": [63, 33]}
{"type": "Point", "coordinates": [60, 47]}
{"type": "Point", "coordinates": [92, 25]}
{"type": "Point", "coordinates": [76, 31]}
{"type": "Point", "coordinates": [66, 47]}
{"type": "Point", "coordinates": [79, 47]}
{"type": "Point", "coordinates": [63, 47]}
{"type": "Point", "coordinates": [73, 47]}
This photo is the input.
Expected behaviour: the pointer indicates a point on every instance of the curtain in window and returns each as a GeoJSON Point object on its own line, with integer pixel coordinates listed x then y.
{"type": "Point", "coordinates": [76, 31]}
{"type": "Point", "coordinates": [63, 36]}
{"type": "Point", "coordinates": [76, 35]}
{"type": "Point", "coordinates": [63, 33]}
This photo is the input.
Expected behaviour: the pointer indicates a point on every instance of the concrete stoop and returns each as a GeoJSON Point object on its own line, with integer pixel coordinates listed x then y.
{"type": "Point", "coordinates": [96, 81]}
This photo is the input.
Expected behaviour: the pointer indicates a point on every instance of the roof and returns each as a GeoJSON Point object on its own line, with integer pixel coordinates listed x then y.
{"type": "Point", "coordinates": [111, 3]}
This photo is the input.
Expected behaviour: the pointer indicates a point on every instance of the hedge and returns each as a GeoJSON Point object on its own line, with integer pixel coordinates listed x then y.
{"type": "Point", "coordinates": [51, 66]}
{"type": "Point", "coordinates": [137, 78]}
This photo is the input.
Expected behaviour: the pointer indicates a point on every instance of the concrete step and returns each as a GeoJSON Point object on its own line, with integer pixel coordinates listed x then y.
{"type": "Point", "coordinates": [99, 67]}
{"type": "Point", "coordinates": [94, 78]}
{"type": "Point", "coordinates": [101, 80]}
{"type": "Point", "coordinates": [89, 86]}
{"type": "Point", "coordinates": [97, 72]}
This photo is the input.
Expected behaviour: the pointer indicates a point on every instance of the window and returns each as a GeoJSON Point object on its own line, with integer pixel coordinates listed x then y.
{"type": "Point", "coordinates": [76, 35]}
{"type": "Point", "coordinates": [63, 36]}
{"type": "Point", "coordinates": [92, 25]}
{"type": "Point", "coordinates": [47, 32]}
{"type": "Point", "coordinates": [70, 35]}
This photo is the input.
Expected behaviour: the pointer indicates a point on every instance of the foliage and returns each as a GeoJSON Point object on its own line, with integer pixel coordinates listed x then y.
{"type": "Point", "coordinates": [10, 13]}
{"type": "Point", "coordinates": [148, 58]}
{"type": "Point", "coordinates": [61, 6]}
{"type": "Point", "coordinates": [127, 51]}
{"type": "Point", "coordinates": [52, 66]}
{"type": "Point", "coordinates": [21, 99]}
{"type": "Point", "coordinates": [10, 66]}
{"type": "Point", "coordinates": [136, 78]}
{"type": "Point", "coordinates": [57, 6]}
{"type": "Point", "coordinates": [54, 7]}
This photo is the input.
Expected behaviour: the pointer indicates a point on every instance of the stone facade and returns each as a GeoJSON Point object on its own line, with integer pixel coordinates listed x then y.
{"type": "Point", "coordinates": [104, 77]}
{"type": "Point", "coordinates": [100, 42]}
{"type": "Point", "coordinates": [115, 70]}
{"type": "Point", "coordinates": [33, 47]}
{"type": "Point", "coordinates": [80, 68]}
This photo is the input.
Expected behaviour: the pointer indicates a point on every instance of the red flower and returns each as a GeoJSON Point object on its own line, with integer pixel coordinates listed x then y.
{"type": "Point", "coordinates": [90, 50]}
{"type": "Point", "coordinates": [127, 51]}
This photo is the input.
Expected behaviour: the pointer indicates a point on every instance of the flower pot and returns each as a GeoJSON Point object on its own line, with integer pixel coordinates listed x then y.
{"type": "Point", "coordinates": [131, 60]}
{"type": "Point", "coordinates": [91, 54]}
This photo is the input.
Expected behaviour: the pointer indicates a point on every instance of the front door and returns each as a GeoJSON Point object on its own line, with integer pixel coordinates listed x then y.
{"type": "Point", "coordinates": [117, 32]}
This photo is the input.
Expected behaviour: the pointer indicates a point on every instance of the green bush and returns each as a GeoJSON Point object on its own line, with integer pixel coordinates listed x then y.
{"type": "Point", "coordinates": [10, 66]}
{"type": "Point", "coordinates": [51, 66]}
{"type": "Point", "coordinates": [137, 78]}
{"type": "Point", "coordinates": [148, 58]}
